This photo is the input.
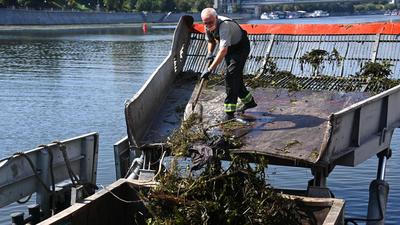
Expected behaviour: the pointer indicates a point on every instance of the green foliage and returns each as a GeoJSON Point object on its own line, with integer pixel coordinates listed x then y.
{"type": "Point", "coordinates": [201, 4]}
{"type": "Point", "coordinates": [376, 70]}
{"type": "Point", "coordinates": [270, 66]}
{"type": "Point", "coordinates": [30, 3]}
{"type": "Point", "coordinates": [189, 132]}
{"type": "Point", "coordinates": [373, 6]}
{"type": "Point", "coordinates": [167, 5]}
{"type": "Point", "coordinates": [115, 5]}
{"type": "Point", "coordinates": [237, 195]}
{"type": "Point", "coordinates": [316, 57]}
{"type": "Point", "coordinates": [7, 3]}
{"type": "Point", "coordinates": [377, 76]}
{"type": "Point", "coordinates": [144, 5]}
{"type": "Point", "coordinates": [330, 7]}
{"type": "Point", "coordinates": [183, 6]}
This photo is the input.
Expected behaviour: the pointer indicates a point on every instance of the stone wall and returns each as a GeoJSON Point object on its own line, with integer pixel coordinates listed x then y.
{"type": "Point", "coordinates": [41, 17]}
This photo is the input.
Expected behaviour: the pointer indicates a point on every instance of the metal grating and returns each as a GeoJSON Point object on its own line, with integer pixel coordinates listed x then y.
{"type": "Point", "coordinates": [325, 83]}
{"type": "Point", "coordinates": [285, 51]}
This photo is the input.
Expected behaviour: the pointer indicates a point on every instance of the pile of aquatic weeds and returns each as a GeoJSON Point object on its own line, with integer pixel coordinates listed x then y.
{"type": "Point", "coordinates": [316, 57]}
{"type": "Point", "coordinates": [378, 74]}
{"type": "Point", "coordinates": [236, 195]}
{"type": "Point", "coordinates": [275, 80]}
{"type": "Point", "coordinates": [222, 192]}
{"type": "Point", "coordinates": [191, 131]}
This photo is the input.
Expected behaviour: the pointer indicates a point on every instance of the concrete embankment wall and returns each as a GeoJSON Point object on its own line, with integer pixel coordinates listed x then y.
{"type": "Point", "coordinates": [40, 17]}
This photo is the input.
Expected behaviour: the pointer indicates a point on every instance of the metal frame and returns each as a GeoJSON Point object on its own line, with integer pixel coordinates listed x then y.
{"type": "Point", "coordinates": [18, 180]}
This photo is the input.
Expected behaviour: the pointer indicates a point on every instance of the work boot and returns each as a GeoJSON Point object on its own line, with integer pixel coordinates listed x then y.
{"type": "Point", "coordinates": [247, 106]}
{"type": "Point", "coordinates": [229, 116]}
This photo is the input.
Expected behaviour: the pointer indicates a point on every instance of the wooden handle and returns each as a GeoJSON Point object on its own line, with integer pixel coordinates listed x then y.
{"type": "Point", "coordinates": [201, 87]}
{"type": "Point", "coordinates": [198, 94]}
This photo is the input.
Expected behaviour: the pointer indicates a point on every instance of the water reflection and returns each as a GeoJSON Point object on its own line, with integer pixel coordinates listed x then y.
{"type": "Point", "coordinates": [61, 84]}
{"type": "Point", "coordinates": [57, 85]}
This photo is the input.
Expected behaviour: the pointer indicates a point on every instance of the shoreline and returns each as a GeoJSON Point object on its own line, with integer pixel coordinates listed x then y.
{"type": "Point", "coordinates": [45, 27]}
{"type": "Point", "coordinates": [167, 24]}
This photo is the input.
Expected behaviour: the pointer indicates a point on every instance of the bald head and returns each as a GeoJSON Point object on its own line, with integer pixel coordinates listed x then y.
{"type": "Point", "coordinates": [209, 18]}
{"type": "Point", "coordinates": [208, 12]}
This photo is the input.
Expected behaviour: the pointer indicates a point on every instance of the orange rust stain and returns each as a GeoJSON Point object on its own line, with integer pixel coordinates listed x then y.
{"type": "Point", "coordinates": [316, 29]}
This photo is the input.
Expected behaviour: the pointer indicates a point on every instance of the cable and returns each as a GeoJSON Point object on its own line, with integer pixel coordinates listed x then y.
{"type": "Point", "coordinates": [33, 169]}
{"type": "Point", "coordinates": [24, 201]}
{"type": "Point", "coordinates": [160, 166]}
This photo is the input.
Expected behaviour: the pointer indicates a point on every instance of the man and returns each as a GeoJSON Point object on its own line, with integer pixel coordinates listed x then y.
{"type": "Point", "coordinates": [234, 47]}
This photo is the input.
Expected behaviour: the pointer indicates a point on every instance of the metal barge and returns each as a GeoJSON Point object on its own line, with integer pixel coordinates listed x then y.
{"type": "Point", "coordinates": [329, 126]}
{"type": "Point", "coordinates": [318, 127]}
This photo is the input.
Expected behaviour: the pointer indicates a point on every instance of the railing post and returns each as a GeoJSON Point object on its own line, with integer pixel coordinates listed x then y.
{"type": "Point", "coordinates": [375, 47]}
{"type": "Point", "coordinates": [17, 218]}
{"type": "Point", "coordinates": [43, 196]}
{"type": "Point", "coordinates": [34, 212]}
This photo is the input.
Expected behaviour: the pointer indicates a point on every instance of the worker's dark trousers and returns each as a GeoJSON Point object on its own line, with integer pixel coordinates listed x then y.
{"type": "Point", "coordinates": [235, 60]}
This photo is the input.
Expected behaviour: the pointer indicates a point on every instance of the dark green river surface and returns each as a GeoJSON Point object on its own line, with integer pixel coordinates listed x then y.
{"type": "Point", "coordinates": [57, 85]}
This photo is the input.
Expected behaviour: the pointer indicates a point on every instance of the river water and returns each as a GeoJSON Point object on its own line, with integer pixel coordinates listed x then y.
{"type": "Point", "coordinates": [57, 85]}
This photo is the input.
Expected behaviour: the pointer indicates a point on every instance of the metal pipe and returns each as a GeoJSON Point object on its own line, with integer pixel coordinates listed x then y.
{"type": "Point", "coordinates": [381, 167]}
{"type": "Point", "coordinates": [136, 165]}
{"type": "Point", "coordinates": [378, 192]}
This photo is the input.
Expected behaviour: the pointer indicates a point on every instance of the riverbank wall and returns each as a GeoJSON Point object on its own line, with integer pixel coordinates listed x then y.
{"type": "Point", "coordinates": [44, 17]}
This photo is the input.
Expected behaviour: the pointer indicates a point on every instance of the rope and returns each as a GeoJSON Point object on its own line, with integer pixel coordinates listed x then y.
{"type": "Point", "coordinates": [160, 165]}
{"type": "Point", "coordinates": [119, 198]}
{"type": "Point", "coordinates": [72, 176]}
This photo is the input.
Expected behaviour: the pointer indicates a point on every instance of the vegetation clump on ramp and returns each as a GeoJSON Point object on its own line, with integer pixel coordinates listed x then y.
{"type": "Point", "coordinates": [230, 192]}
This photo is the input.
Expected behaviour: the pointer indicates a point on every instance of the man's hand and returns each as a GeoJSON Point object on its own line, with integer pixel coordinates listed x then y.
{"type": "Point", "coordinates": [210, 58]}
{"type": "Point", "coordinates": [205, 74]}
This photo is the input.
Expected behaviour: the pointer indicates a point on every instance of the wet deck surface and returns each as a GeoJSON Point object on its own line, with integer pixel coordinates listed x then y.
{"type": "Point", "coordinates": [288, 126]}
{"type": "Point", "coordinates": [284, 125]}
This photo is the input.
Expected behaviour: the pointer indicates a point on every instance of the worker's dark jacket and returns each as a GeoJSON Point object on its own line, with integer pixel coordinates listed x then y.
{"type": "Point", "coordinates": [235, 60]}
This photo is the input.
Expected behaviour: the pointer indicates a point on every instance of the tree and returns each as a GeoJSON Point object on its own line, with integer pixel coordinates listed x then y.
{"type": "Point", "coordinates": [183, 6]}
{"type": "Point", "coordinates": [144, 5]}
{"type": "Point", "coordinates": [128, 5]}
{"type": "Point", "coordinates": [113, 5]}
{"type": "Point", "coordinates": [167, 5]}
{"type": "Point", "coordinates": [5, 3]}
{"type": "Point", "coordinates": [201, 4]}
{"type": "Point", "coordinates": [31, 3]}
